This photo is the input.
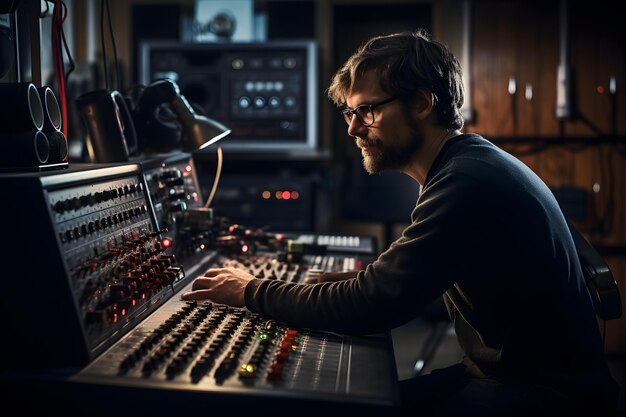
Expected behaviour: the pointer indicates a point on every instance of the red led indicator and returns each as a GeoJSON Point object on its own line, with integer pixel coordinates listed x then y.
{"type": "Point", "coordinates": [600, 89]}
{"type": "Point", "coordinates": [286, 195]}
{"type": "Point", "coordinates": [244, 248]}
{"type": "Point", "coordinates": [188, 168]}
{"type": "Point", "coordinates": [166, 242]}
{"type": "Point", "coordinates": [295, 195]}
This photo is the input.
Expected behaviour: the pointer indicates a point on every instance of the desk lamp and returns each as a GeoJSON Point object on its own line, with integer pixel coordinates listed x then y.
{"type": "Point", "coordinates": [197, 132]}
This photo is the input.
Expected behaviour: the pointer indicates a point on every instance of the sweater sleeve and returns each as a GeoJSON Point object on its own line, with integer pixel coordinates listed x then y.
{"type": "Point", "coordinates": [416, 269]}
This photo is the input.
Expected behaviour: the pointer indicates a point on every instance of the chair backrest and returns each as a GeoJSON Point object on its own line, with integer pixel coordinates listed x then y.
{"type": "Point", "coordinates": [599, 278]}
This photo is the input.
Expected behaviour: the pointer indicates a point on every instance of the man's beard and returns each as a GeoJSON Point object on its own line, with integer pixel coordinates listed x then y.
{"type": "Point", "coordinates": [384, 157]}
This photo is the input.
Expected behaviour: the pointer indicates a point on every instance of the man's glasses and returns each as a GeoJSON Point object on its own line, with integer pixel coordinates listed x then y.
{"type": "Point", "coordinates": [365, 112]}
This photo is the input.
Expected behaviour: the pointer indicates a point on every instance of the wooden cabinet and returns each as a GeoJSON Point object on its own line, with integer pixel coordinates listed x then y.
{"type": "Point", "coordinates": [516, 48]}
{"type": "Point", "coordinates": [598, 58]}
{"type": "Point", "coordinates": [514, 53]}
{"type": "Point", "coordinates": [523, 41]}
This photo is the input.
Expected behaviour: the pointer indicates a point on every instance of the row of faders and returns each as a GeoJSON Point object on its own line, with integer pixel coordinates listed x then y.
{"type": "Point", "coordinates": [217, 346]}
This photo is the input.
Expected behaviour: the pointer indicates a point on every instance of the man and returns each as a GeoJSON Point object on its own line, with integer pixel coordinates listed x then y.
{"type": "Point", "coordinates": [486, 234]}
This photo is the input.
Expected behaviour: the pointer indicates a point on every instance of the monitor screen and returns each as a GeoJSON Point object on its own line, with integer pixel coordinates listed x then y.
{"type": "Point", "coordinates": [264, 91]}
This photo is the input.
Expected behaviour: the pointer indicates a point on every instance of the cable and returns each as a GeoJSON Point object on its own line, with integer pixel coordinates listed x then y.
{"type": "Point", "coordinates": [115, 60]}
{"type": "Point", "coordinates": [45, 12]}
{"type": "Point", "coordinates": [104, 49]}
{"type": "Point", "coordinates": [66, 47]}
{"type": "Point", "coordinates": [58, 39]}
{"type": "Point", "coordinates": [218, 172]}
{"type": "Point", "coordinates": [103, 4]}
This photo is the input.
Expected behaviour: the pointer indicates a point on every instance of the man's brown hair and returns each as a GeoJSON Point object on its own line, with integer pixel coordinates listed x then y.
{"type": "Point", "coordinates": [404, 63]}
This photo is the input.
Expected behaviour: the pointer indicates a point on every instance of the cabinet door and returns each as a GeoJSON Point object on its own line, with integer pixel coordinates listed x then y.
{"type": "Point", "coordinates": [598, 61]}
{"type": "Point", "coordinates": [514, 59]}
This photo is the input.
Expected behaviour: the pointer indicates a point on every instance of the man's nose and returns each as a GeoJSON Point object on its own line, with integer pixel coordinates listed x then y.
{"type": "Point", "coordinates": [355, 128]}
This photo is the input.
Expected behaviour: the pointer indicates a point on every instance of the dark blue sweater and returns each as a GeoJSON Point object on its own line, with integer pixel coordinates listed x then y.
{"type": "Point", "coordinates": [489, 236]}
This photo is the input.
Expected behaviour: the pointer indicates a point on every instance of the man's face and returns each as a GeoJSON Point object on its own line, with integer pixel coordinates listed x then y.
{"type": "Point", "coordinates": [392, 140]}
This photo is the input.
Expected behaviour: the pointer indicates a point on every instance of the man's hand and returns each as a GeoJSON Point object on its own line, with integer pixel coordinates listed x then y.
{"type": "Point", "coordinates": [222, 286]}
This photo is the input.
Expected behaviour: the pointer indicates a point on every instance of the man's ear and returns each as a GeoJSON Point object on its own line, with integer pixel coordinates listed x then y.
{"type": "Point", "coordinates": [423, 104]}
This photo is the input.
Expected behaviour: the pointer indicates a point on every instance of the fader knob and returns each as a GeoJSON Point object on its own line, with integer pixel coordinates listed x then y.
{"type": "Point", "coordinates": [120, 292]}
{"type": "Point", "coordinates": [75, 203]}
{"type": "Point", "coordinates": [177, 193]}
{"type": "Point", "coordinates": [61, 206]}
{"type": "Point", "coordinates": [172, 182]}
{"type": "Point", "coordinates": [178, 206]}
{"type": "Point", "coordinates": [171, 173]}
{"type": "Point", "coordinates": [87, 200]}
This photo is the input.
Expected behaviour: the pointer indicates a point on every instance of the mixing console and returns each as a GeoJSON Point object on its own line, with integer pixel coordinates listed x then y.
{"type": "Point", "coordinates": [103, 258]}
{"type": "Point", "coordinates": [216, 348]}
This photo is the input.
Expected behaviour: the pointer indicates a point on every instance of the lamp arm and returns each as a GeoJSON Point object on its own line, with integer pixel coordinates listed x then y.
{"type": "Point", "coordinates": [161, 91]}
{"type": "Point", "coordinates": [183, 110]}
{"type": "Point", "coordinates": [216, 180]}
{"type": "Point", "coordinates": [167, 91]}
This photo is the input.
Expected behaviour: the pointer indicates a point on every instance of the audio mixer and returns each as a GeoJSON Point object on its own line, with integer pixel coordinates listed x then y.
{"type": "Point", "coordinates": [102, 254]}
{"type": "Point", "coordinates": [226, 352]}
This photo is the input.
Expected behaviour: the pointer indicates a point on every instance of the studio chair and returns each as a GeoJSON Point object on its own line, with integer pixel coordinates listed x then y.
{"type": "Point", "coordinates": [602, 287]}
{"type": "Point", "coordinates": [599, 279]}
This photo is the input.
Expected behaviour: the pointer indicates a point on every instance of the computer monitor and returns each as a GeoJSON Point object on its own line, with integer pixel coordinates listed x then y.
{"type": "Point", "coordinates": [266, 92]}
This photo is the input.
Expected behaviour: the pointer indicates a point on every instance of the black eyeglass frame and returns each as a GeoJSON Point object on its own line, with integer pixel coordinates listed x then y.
{"type": "Point", "coordinates": [348, 112]}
